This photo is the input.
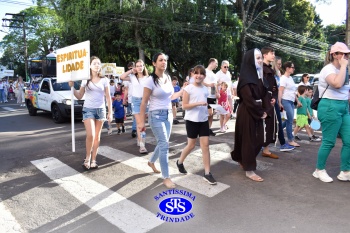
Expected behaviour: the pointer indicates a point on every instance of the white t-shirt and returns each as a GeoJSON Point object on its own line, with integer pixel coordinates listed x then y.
{"type": "Point", "coordinates": [137, 85]}
{"type": "Point", "coordinates": [209, 79]}
{"type": "Point", "coordinates": [112, 89]}
{"type": "Point", "coordinates": [161, 94]}
{"type": "Point", "coordinates": [2, 85]}
{"type": "Point", "coordinates": [289, 88]}
{"type": "Point", "coordinates": [225, 77]}
{"type": "Point", "coordinates": [95, 93]}
{"type": "Point", "coordinates": [197, 94]}
{"type": "Point", "coordinates": [128, 85]}
{"type": "Point", "coordinates": [304, 84]}
{"type": "Point", "coordinates": [331, 92]}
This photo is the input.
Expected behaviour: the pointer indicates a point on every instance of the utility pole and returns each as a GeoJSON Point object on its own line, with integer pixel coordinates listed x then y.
{"type": "Point", "coordinates": [22, 20]}
{"type": "Point", "coordinates": [347, 30]}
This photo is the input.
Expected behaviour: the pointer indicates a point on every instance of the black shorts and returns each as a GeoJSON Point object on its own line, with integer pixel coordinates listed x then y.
{"type": "Point", "coordinates": [195, 129]}
{"type": "Point", "coordinates": [175, 104]}
{"type": "Point", "coordinates": [210, 101]}
{"type": "Point", "coordinates": [119, 120]}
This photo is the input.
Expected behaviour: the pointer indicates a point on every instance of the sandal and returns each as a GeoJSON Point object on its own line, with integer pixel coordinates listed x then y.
{"type": "Point", "coordinates": [86, 164]}
{"type": "Point", "coordinates": [255, 177]}
{"type": "Point", "coordinates": [94, 164]}
{"type": "Point", "coordinates": [143, 150]}
{"type": "Point", "coordinates": [155, 170]}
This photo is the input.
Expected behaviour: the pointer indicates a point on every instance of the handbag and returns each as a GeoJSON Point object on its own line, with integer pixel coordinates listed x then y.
{"type": "Point", "coordinates": [316, 99]}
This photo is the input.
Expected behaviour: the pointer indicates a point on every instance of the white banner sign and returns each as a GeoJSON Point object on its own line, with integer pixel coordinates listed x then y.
{"type": "Point", "coordinates": [109, 69]}
{"type": "Point", "coordinates": [73, 62]}
{"type": "Point", "coordinates": [8, 72]}
{"type": "Point", "coordinates": [120, 71]}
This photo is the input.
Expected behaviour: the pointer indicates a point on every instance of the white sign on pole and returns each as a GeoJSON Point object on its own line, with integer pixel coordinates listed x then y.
{"type": "Point", "coordinates": [73, 62]}
{"type": "Point", "coordinates": [120, 71]}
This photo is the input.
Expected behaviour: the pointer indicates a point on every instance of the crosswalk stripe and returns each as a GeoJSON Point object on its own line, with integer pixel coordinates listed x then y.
{"type": "Point", "coordinates": [8, 223]}
{"type": "Point", "coordinates": [9, 109]}
{"type": "Point", "coordinates": [189, 181]}
{"type": "Point", "coordinates": [125, 214]}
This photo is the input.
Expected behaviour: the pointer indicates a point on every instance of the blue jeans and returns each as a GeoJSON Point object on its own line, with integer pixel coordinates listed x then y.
{"type": "Point", "coordinates": [161, 122]}
{"type": "Point", "coordinates": [280, 128]}
{"type": "Point", "coordinates": [2, 95]}
{"type": "Point", "coordinates": [289, 108]}
{"type": "Point", "coordinates": [128, 109]}
{"type": "Point", "coordinates": [133, 123]}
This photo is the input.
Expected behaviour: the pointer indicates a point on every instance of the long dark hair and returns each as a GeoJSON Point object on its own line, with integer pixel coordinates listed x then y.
{"type": "Point", "coordinates": [154, 76]}
{"type": "Point", "coordinates": [287, 64]}
{"type": "Point", "coordinates": [99, 73]}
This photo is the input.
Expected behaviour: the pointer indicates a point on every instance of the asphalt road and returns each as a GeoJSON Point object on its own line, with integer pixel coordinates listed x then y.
{"type": "Point", "coordinates": [43, 187]}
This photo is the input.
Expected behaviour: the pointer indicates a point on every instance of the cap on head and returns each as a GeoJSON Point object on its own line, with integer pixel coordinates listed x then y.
{"type": "Point", "coordinates": [339, 47]}
{"type": "Point", "coordinates": [117, 93]}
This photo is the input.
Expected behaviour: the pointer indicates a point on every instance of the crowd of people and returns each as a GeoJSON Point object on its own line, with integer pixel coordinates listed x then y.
{"type": "Point", "coordinates": [10, 90]}
{"type": "Point", "coordinates": [265, 89]}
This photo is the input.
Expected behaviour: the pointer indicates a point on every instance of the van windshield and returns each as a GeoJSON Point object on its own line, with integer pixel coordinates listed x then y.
{"type": "Point", "coordinates": [63, 86]}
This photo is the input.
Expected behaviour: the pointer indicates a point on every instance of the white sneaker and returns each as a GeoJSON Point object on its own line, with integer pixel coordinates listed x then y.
{"type": "Point", "coordinates": [322, 175]}
{"type": "Point", "coordinates": [222, 129]}
{"type": "Point", "coordinates": [344, 176]}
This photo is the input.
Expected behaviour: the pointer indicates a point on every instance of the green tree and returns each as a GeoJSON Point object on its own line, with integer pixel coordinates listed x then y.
{"type": "Point", "coordinates": [43, 30]}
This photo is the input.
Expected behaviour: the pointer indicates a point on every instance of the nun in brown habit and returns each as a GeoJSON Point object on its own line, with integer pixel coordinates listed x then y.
{"type": "Point", "coordinates": [254, 103]}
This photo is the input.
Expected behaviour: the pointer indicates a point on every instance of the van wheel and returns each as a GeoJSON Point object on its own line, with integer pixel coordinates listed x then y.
{"type": "Point", "coordinates": [31, 109]}
{"type": "Point", "coordinates": [56, 114]}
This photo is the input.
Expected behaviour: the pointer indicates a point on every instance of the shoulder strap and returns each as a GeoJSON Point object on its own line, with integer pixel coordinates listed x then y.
{"type": "Point", "coordinates": [324, 91]}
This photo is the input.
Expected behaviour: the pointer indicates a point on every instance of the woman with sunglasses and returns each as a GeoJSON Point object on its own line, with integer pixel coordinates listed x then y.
{"type": "Point", "coordinates": [286, 97]}
{"type": "Point", "coordinates": [304, 80]}
{"type": "Point", "coordinates": [333, 111]}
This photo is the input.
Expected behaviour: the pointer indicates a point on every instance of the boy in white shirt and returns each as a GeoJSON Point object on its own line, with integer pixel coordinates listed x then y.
{"type": "Point", "coordinates": [195, 103]}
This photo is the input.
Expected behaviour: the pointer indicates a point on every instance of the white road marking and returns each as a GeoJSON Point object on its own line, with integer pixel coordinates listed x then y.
{"type": "Point", "coordinates": [9, 109]}
{"type": "Point", "coordinates": [189, 181]}
{"type": "Point", "coordinates": [8, 223]}
{"type": "Point", "coordinates": [126, 215]}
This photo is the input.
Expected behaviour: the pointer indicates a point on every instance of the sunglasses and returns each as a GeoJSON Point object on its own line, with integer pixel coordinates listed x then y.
{"type": "Point", "coordinates": [292, 67]}
{"type": "Point", "coordinates": [225, 67]}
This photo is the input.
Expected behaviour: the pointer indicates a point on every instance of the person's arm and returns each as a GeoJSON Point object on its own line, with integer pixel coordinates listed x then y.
{"type": "Point", "coordinates": [280, 93]}
{"type": "Point", "coordinates": [125, 75]}
{"type": "Point", "coordinates": [125, 94]}
{"type": "Point", "coordinates": [254, 108]}
{"type": "Point", "coordinates": [179, 93]}
{"type": "Point", "coordinates": [77, 93]}
{"type": "Point", "coordinates": [145, 98]}
{"type": "Point", "coordinates": [337, 80]}
{"type": "Point", "coordinates": [109, 103]}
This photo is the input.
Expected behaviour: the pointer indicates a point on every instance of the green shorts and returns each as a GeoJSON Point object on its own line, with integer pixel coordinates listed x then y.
{"type": "Point", "coordinates": [302, 120]}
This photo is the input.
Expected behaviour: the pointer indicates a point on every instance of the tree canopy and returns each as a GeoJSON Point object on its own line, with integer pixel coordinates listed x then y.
{"type": "Point", "coordinates": [189, 31]}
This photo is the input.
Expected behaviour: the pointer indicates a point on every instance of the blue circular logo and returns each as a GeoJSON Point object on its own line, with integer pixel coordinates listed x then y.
{"type": "Point", "coordinates": [175, 206]}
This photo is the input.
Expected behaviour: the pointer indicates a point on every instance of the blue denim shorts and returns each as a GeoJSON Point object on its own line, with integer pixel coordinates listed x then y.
{"type": "Point", "coordinates": [94, 113]}
{"type": "Point", "coordinates": [135, 105]}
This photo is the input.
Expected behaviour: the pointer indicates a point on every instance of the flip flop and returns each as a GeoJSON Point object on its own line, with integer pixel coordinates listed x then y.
{"type": "Point", "coordinates": [255, 177]}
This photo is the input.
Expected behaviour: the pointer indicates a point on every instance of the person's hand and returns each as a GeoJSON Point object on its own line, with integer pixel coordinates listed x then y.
{"type": "Point", "coordinates": [299, 104]}
{"type": "Point", "coordinates": [281, 106]}
{"type": "Point", "coordinates": [141, 127]}
{"type": "Point", "coordinates": [202, 104]}
{"type": "Point", "coordinates": [343, 61]}
{"type": "Point", "coordinates": [184, 84]}
{"type": "Point", "coordinates": [71, 83]}
{"type": "Point", "coordinates": [110, 117]}
{"type": "Point", "coordinates": [264, 115]}
{"type": "Point", "coordinates": [273, 101]}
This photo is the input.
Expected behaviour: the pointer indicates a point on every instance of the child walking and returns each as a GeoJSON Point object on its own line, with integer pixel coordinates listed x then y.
{"type": "Point", "coordinates": [195, 103]}
{"type": "Point", "coordinates": [303, 114]}
{"type": "Point", "coordinates": [309, 94]}
{"type": "Point", "coordinates": [119, 112]}
{"type": "Point", "coordinates": [223, 101]}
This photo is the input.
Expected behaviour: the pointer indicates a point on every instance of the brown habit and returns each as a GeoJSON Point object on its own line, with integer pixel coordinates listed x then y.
{"type": "Point", "coordinates": [254, 101]}
{"type": "Point", "coordinates": [270, 121]}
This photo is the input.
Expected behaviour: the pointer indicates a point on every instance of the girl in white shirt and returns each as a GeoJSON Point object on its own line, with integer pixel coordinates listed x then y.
{"type": "Point", "coordinates": [137, 76]}
{"type": "Point", "coordinates": [159, 91]}
{"type": "Point", "coordinates": [96, 90]}
{"type": "Point", "coordinates": [194, 101]}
